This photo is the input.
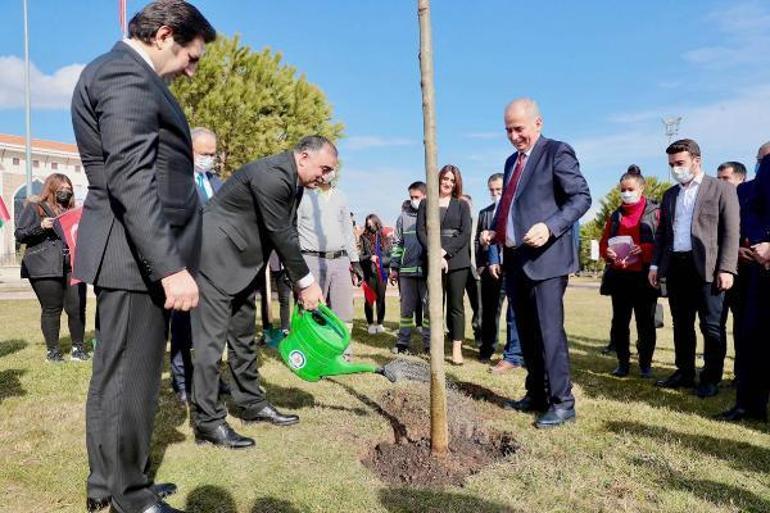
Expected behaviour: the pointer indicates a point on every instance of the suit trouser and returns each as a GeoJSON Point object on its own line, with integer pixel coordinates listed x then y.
{"type": "Point", "coordinates": [55, 295]}
{"type": "Point", "coordinates": [224, 320]}
{"type": "Point", "coordinates": [473, 290]}
{"type": "Point", "coordinates": [688, 294]}
{"type": "Point", "coordinates": [735, 302]}
{"type": "Point", "coordinates": [453, 284]}
{"type": "Point", "coordinates": [492, 299]}
{"type": "Point", "coordinates": [754, 379]}
{"type": "Point", "coordinates": [632, 294]}
{"type": "Point", "coordinates": [412, 291]}
{"type": "Point", "coordinates": [123, 395]}
{"type": "Point", "coordinates": [180, 357]}
{"type": "Point", "coordinates": [539, 308]}
{"type": "Point", "coordinates": [380, 287]}
{"type": "Point", "coordinates": [333, 276]}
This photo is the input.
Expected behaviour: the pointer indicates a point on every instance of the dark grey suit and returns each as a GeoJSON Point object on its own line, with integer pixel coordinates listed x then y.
{"type": "Point", "coordinates": [141, 222]}
{"type": "Point", "coordinates": [253, 214]}
{"type": "Point", "coordinates": [690, 276]}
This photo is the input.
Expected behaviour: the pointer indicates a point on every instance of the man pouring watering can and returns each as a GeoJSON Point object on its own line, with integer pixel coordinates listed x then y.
{"type": "Point", "coordinates": [251, 215]}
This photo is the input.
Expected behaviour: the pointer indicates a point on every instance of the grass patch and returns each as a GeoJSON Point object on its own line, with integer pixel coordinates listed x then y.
{"type": "Point", "coordinates": [634, 448]}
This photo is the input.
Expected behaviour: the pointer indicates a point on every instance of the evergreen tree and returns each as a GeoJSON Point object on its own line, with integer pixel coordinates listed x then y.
{"type": "Point", "coordinates": [256, 105]}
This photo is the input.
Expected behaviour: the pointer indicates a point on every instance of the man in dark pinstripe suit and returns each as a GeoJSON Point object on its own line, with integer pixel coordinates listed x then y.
{"type": "Point", "coordinates": [138, 240]}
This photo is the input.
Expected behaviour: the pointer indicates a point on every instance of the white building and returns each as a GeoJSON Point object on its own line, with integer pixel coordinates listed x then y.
{"type": "Point", "coordinates": [47, 157]}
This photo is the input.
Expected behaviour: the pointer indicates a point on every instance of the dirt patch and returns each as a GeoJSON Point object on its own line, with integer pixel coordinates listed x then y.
{"type": "Point", "coordinates": [408, 460]}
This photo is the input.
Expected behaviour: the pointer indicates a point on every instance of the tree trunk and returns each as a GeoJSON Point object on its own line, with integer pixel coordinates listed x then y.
{"type": "Point", "coordinates": [439, 431]}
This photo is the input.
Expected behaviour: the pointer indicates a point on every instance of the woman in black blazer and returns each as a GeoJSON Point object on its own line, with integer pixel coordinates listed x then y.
{"type": "Point", "coordinates": [455, 218]}
{"type": "Point", "coordinates": [47, 264]}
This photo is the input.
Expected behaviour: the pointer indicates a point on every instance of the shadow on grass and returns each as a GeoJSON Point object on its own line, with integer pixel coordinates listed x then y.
{"type": "Point", "coordinates": [399, 429]}
{"type": "Point", "coordinates": [170, 416]}
{"type": "Point", "coordinates": [478, 392]}
{"type": "Point", "coordinates": [209, 499]}
{"type": "Point", "coordinates": [10, 384]}
{"type": "Point", "coordinates": [593, 375]}
{"type": "Point", "coordinates": [732, 498]}
{"type": "Point", "coordinates": [287, 397]}
{"type": "Point", "coordinates": [273, 505]}
{"type": "Point", "coordinates": [739, 455]}
{"type": "Point", "coordinates": [407, 500]}
{"type": "Point", "coordinates": [8, 347]}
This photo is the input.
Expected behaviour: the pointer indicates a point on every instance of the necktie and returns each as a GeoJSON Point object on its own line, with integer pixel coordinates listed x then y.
{"type": "Point", "coordinates": [501, 220]}
{"type": "Point", "coordinates": [201, 186]}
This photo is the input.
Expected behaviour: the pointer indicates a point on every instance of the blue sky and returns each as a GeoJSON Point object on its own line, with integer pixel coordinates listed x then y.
{"type": "Point", "coordinates": [603, 72]}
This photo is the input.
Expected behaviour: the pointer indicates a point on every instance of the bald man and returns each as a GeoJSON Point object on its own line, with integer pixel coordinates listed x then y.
{"type": "Point", "coordinates": [543, 197]}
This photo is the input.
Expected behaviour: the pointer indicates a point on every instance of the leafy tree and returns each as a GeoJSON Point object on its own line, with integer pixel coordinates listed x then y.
{"type": "Point", "coordinates": [256, 105]}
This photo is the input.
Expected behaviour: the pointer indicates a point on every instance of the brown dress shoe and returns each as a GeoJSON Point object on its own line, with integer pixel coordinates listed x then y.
{"type": "Point", "coordinates": [503, 367]}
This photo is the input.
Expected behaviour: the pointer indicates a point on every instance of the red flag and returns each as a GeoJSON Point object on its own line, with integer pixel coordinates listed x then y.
{"type": "Point", "coordinates": [66, 226]}
{"type": "Point", "coordinates": [370, 296]}
{"type": "Point", "coordinates": [4, 215]}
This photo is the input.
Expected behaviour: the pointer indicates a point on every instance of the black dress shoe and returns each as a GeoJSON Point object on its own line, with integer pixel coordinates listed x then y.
{"type": "Point", "coordinates": [736, 414]}
{"type": "Point", "coordinates": [704, 390]}
{"type": "Point", "coordinates": [526, 405]}
{"type": "Point", "coordinates": [162, 490]}
{"type": "Point", "coordinates": [676, 380]}
{"type": "Point", "coordinates": [621, 371]}
{"type": "Point", "coordinates": [555, 417]}
{"type": "Point", "coordinates": [271, 415]}
{"type": "Point", "coordinates": [223, 436]}
{"type": "Point", "coordinates": [158, 507]}
{"type": "Point", "coordinates": [94, 504]}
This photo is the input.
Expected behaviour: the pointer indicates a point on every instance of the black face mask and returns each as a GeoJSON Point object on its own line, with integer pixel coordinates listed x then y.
{"type": "Point", "coordinates": [63, 197]}
{"type": "Point", "coordinates": [372, 229]}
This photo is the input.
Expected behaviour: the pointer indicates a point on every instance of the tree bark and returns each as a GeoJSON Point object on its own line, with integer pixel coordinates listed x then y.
{"type": "Point", "coordinates": [439, 431]}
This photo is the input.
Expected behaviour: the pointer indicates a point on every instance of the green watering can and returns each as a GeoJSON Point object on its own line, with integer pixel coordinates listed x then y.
{"type": "Point", "coordinates": [315, 346]}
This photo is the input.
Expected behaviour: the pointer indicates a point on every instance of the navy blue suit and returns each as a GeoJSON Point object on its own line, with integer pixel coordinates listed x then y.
{"type": "Point", "coordinates": [551, 190]}
{"type": "Point", "coordinates": [754, 383]}
{"type": "Point", "coordinates": [181, 333]}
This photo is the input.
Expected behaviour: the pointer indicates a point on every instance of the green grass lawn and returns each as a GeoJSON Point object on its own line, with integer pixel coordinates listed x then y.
{"type": "Point", "coordinates": [634, 448]}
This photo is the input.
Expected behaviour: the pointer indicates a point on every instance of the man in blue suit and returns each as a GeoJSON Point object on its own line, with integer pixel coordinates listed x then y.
{"type": "Point", "coordinates": [544, 196]}
{"type": "Point", "coordinates": [753, 383]}
{"type": "Point", "coordinates": [204, 143]}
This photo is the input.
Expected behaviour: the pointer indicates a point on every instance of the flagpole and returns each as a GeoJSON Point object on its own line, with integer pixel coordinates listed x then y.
{"type": "Point", "coordinates": [27, 104]}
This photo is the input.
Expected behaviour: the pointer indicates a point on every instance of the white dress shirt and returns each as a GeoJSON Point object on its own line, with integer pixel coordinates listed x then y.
{"type": "Point", "coordinates": [137, 47]}
{"type": "Point", "coordinates": [510, 234]}
{"type": "Point", "coordinates": [206, 183]}
{"type": "Point", "coordinates": [685, 206]}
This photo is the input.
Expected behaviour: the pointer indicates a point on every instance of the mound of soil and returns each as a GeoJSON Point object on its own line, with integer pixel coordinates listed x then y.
{"type": "Point", "coordinates": [408, 460]}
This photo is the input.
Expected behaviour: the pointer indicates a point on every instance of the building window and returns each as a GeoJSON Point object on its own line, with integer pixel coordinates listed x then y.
{"type": "Point", "coordinates": [35, 163]}
{"type": "Point", "coordinates": [54, 165]}
{"type": "Point", "coordinates": [15, 161]}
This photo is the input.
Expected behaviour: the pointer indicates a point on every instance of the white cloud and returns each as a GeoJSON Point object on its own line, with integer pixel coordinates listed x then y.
{"type": "Point", "coordinates": [52, 91]}
{"type": "Point", "coordinates": [365, 142]}
{"type": "Point", "coordinates": [744, 29]}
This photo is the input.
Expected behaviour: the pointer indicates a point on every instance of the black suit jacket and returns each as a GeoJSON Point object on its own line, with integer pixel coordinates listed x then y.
{"type": "Point", "coordinates": [141, 216]}
{"type": "Point", "coordinates": [455, 232]}
{"type": "Point", "coordinates": [252, 214]}
{"type": "Point", "coordinates": [485, 222]}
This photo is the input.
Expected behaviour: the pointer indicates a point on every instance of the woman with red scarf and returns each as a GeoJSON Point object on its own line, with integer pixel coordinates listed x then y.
{"type": "Point", "coordinates": [627, 245]}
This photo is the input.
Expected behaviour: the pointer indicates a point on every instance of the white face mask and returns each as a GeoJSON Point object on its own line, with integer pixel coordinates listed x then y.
{"type": "Point", "coordinates": [630, 197]}
{"type": "Point", "coordinates": [204, 163]}
{"type": "Point", "coordinates": [328, 177]}
{"type": "Point", "coordinates": [682, 175]}
{"type": "Point", "coordinates": [495, 198]}
{"type": "Point", "coordinates": [415, 203]}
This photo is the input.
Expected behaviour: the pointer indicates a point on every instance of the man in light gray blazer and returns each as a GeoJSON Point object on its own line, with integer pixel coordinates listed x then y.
{"type": "Point", "coordinates": [696, 251]}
